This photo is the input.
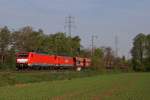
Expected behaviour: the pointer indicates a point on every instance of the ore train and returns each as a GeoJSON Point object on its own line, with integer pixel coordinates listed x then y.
{"type": "Point", "coordinates": [33, 60]}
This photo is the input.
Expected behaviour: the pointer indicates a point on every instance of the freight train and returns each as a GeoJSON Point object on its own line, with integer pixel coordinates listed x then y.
{"type": "Point", "coordinates": [33, 60]}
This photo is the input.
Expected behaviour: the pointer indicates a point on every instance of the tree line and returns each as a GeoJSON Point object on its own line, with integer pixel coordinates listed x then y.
{"type": "Point", "coordinates": [27, 39]}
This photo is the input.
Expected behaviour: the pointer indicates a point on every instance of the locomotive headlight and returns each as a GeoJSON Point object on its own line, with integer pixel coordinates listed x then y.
{"type": "Point", "coordinates": [22, 60]}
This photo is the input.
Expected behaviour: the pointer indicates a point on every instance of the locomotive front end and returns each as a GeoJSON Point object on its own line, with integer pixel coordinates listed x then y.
{"type": "Point", "coordinates": [22, 60]}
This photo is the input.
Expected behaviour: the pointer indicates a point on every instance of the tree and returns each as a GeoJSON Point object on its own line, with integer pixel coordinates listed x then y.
{"type": "Point", "coordinates": [109, 58]}
{"type": "Point", "coordinates": [59, 43]}
{"type": "Point", "coordinates": [75, 45]}
{"type": "Point", "coordinates": [4, 42]}
{"type": "Point", "coordinates": [148, 46]}
{"type": "Point", "coordinates": [97, 59]}
{"type": "Point", "coordinates": [147, 54]}
{"type": "Point", "coordinates": [26, 39]}
{"type": "Point", "coordinates": [138, 51]}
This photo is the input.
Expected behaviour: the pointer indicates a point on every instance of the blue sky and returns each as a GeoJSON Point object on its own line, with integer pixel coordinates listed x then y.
{"type": "Point", "coordinates": [104, 18]}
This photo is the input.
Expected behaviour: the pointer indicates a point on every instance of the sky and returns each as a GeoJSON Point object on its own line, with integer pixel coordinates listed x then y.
{"type": "Point", "coordinates": [105, 19]}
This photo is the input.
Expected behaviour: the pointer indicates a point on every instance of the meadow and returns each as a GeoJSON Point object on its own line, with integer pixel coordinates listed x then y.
{"type": "Point", "coordinates": [27, 86]}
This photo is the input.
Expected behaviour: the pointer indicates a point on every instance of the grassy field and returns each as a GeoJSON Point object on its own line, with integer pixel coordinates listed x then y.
{"type": "Point", "coordinates": [129, 86]}
{"type": "Point", "coordinates": [13, 77]}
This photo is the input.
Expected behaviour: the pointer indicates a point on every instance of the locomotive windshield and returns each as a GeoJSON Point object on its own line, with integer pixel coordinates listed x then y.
{"type": "Point", "coordinates": [22, 55]}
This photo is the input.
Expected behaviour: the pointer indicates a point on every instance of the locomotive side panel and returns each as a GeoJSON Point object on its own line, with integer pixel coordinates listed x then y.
{"type": "Point", "coordinates": [64, 61]}
{"type": "Point", "coordinates": [41, 60]}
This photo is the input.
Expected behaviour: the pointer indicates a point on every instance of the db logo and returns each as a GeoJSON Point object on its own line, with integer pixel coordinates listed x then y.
{"type": "Point", "coordinates": [66, 61]}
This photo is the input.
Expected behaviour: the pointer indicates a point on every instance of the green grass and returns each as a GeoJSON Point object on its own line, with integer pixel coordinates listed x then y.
{"type": "Point", "coordinates": [129, 86]}
{"type": "Point", "coordinates": [12, 77]}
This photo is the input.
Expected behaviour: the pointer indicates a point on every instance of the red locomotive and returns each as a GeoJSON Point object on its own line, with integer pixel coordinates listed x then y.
{"type": "Point", "coordinates": [32, 60]}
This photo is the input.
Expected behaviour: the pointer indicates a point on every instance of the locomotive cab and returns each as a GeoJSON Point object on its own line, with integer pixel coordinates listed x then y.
{"type": "Point", "coordinates": [22, 60]}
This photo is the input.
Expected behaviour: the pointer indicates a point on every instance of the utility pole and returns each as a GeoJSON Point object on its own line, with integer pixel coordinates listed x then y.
{"type": "Point", "coordinates": [69, 24]}
{"type": "Point", "coordinates": [92, 40]}
{"type": "Point", "coordinates": [116, 46]}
